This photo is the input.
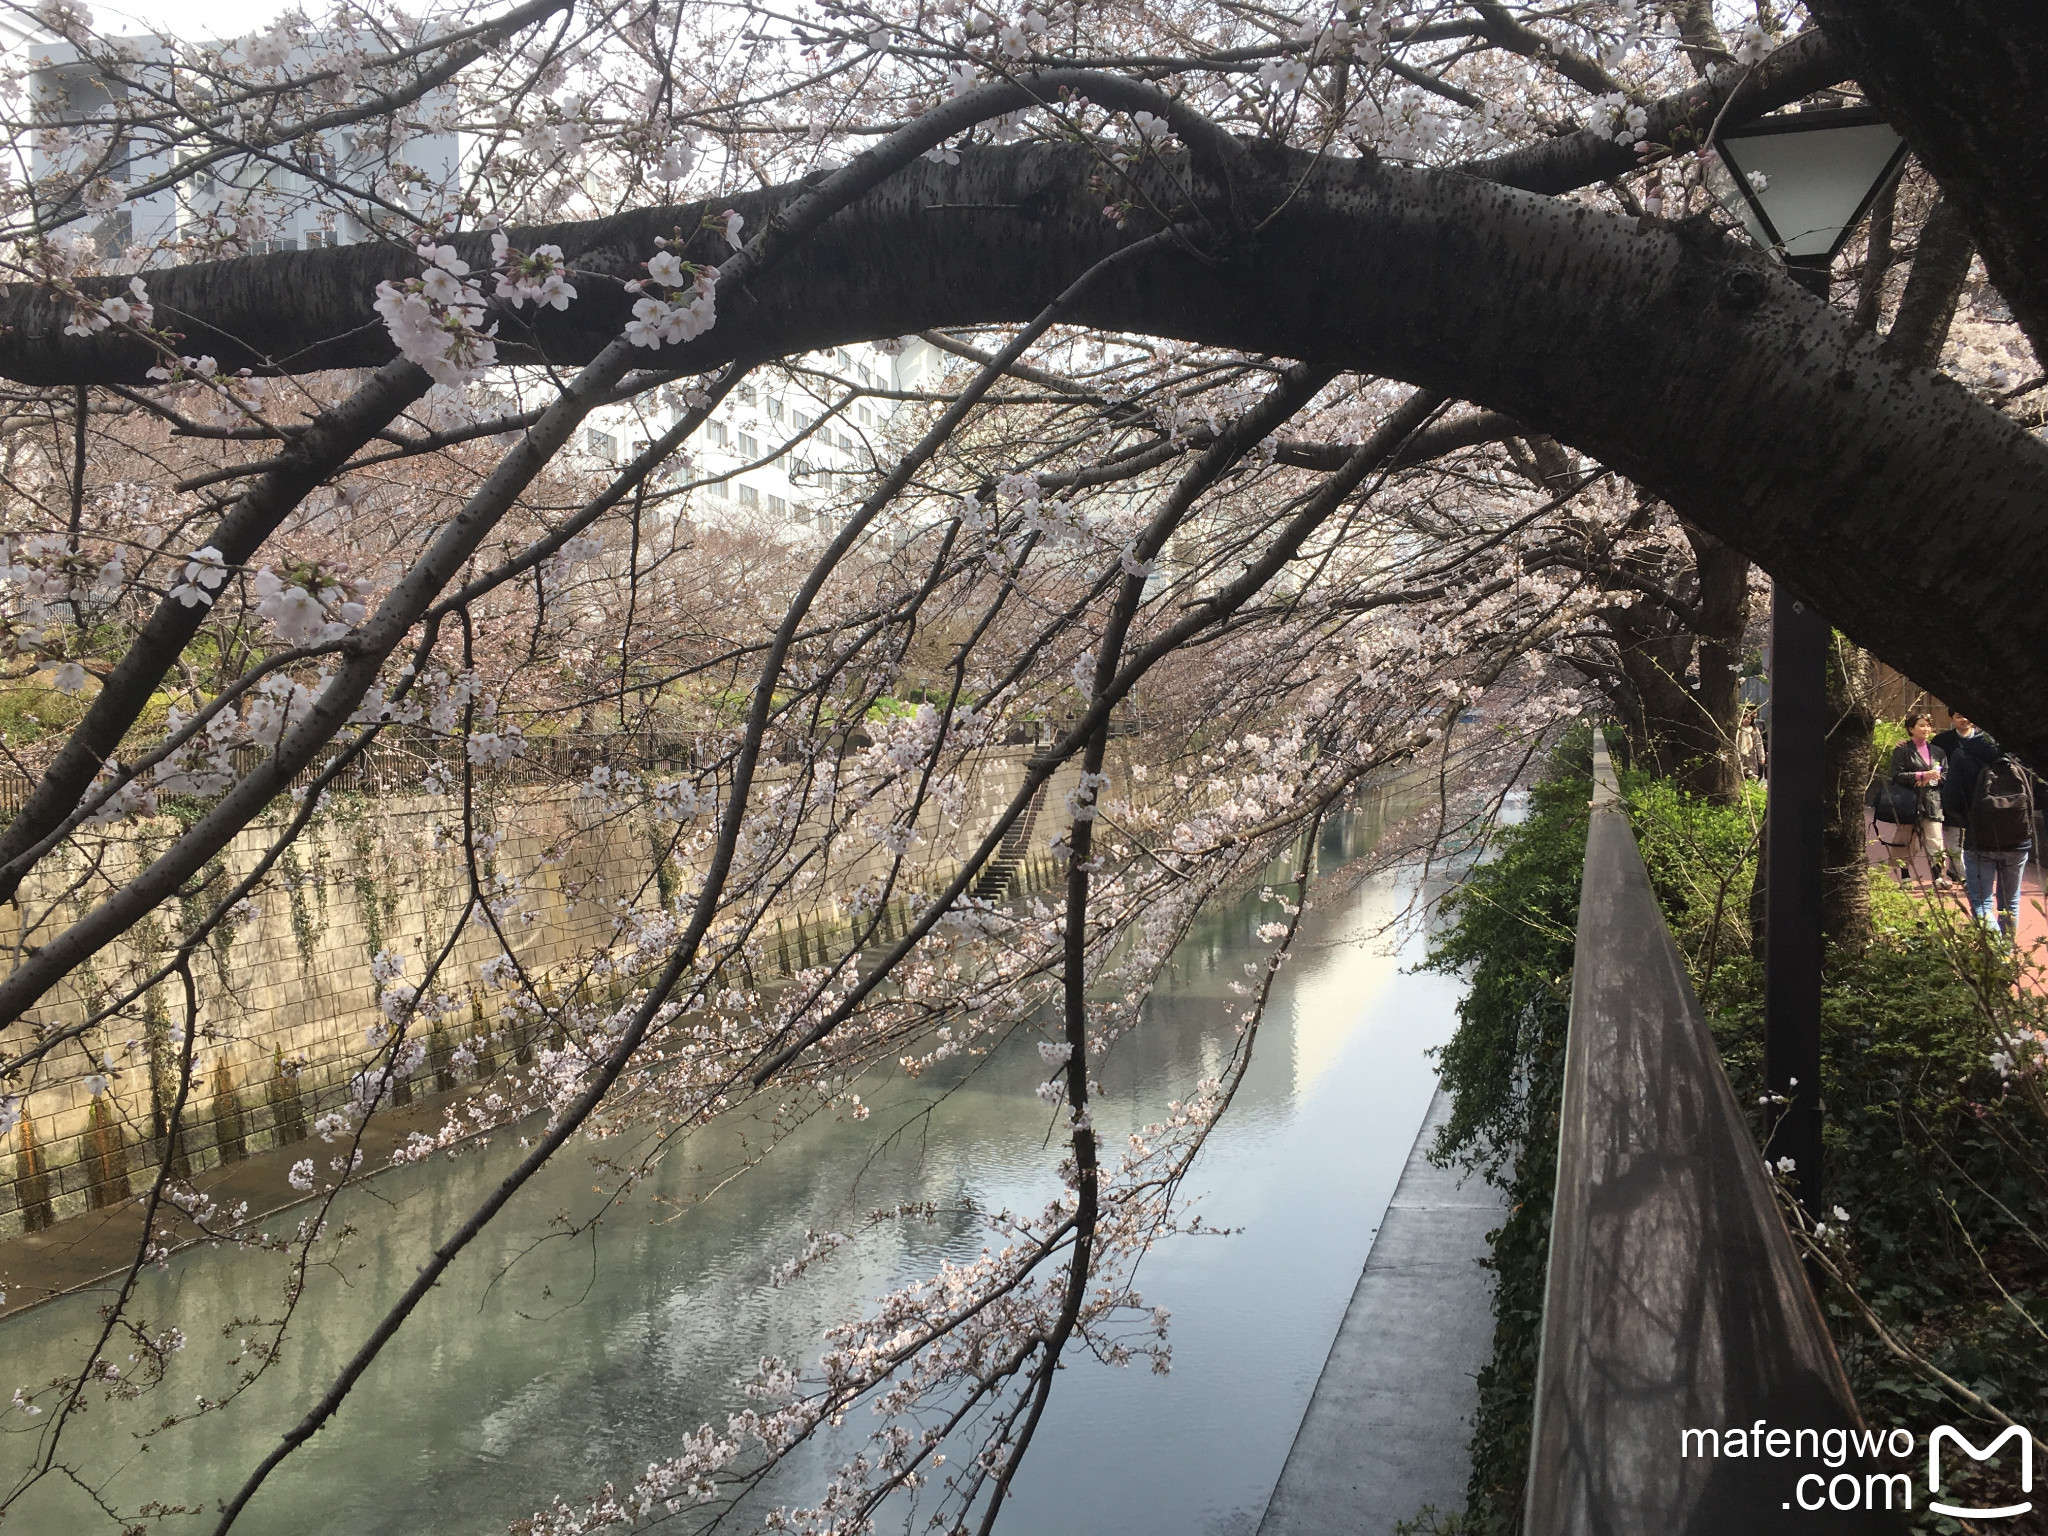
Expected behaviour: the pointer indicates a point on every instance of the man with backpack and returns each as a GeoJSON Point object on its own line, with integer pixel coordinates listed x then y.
{"type": "Point", "coordinates": [1996, 795]}
{"type": "Point", "coordinates": [1953, 819]}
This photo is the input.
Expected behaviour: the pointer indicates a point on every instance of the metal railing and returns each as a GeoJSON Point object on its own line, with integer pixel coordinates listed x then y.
{"type": "Point", "coordinates": [1674, 1299]}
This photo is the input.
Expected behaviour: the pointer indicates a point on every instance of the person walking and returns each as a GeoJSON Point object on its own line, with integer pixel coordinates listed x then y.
{"type": "Point", "coordinates": [1919, 765]}
{"type": "Point", "coordinates": [1996, 797]}
{"type": "Point", "coordinates": [1749, 744]}
{"type": "Point", "coordinates": [1961, 729]}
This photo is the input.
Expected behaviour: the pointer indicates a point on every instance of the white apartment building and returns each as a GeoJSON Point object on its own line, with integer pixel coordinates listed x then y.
{"type": "Point", "coordinates": [777, 455]}
{"type": "Point", "coordinates": [271, 206]}
{"type": "Point", "coordinates": [784, 451]}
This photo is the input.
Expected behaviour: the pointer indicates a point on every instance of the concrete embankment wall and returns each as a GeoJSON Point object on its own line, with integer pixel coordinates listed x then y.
{"type": "Point", "coordinates": [287, 1000]}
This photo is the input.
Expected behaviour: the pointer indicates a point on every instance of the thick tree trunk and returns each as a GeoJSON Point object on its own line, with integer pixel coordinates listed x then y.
{"type": "Point", "coordinates": [1852, 719]}
{"type": "Point", "coordinates": [1964, 81]}
{"type": "Point", "coordinates": [1878, 257]}
{"type": "Point", "coordinates": [1687, 680]}
{"type": "Point", "coordinates": [1723, 605]}
{"type": "Point", "coordinates": [1654, 666]}
{"type": "Point", "coordinates": [1928, 306]}
{"type": "Point", "coordinates": [1761, 414]}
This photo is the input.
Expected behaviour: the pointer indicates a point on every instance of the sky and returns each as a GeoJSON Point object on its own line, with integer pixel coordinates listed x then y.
{"type": "Point", "coordinates": [199, 20]}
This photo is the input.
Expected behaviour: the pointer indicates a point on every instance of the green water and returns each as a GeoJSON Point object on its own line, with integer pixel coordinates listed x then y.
{"type": "Point", "coordinates": [546, 1365]}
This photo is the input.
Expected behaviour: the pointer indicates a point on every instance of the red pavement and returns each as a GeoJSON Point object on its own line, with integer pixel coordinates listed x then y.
{"type": "Point", "coordinates": [2033, 894]}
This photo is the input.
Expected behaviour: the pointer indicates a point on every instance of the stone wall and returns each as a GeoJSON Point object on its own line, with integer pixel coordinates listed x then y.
{"type": "Point", "coordinates": [287, 1000]}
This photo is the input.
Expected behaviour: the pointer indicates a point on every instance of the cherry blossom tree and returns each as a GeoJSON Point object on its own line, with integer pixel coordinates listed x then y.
{"type": "Point", "coordinates": [1314, 378]}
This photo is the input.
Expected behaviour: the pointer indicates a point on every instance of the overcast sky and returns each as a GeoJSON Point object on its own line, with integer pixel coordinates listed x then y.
{"type": "Point", "coordinates": [200, 20]}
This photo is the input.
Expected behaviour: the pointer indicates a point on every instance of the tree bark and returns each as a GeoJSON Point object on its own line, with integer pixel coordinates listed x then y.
{"type": "Point", "coordinates": [1654, 658]}
{"type": "Point", "coordinates": [1760, 413]}
{"type": "Point", "coordinates": [1845, 870]}
{"type": "Point", "coordinates": [1928, 306]}
{"type": "Point", "coordinates": [1964, 82]}
{"type": "Point", "coordinates": [1686, 728]}
{"type": "Point", "coordinates": [1653, 665]}
{"type": "Point", "coordinates": [1723, 605]}
{"type": "Point", "coordinates": [1878, 255]}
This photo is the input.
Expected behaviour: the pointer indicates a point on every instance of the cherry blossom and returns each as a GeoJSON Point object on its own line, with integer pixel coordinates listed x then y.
{"type": "Point", "coordinates": [204, 573]}
{"type": "Point", "coordinates": [437, 319]}
{"type": "Point", "coordinates": [633, 653]}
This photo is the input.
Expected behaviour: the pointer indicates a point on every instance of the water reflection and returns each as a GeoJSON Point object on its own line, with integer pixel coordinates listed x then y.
{"type": "Point", "coordinates": [586, 1359]}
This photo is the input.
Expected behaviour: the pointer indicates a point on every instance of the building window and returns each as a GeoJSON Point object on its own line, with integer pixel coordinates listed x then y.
{"type": "Point", "coordinates": [748, 447]}
{"type": "Point", "coordinates": [749, 497]}
{"type": "Point", "coordinates": [746, 394]}
{"type": "Point", "coordinates": [805, 469]}
{"type": "Point", "coordinates": [846, 441]}
{"type": "Point", "coordinates": [113, 233]}
{"type": "Point", "coordinates": [716, 490]}
{"type": "Point", "coordinates": [777, 505]}
{"type": "Point", "coordinates": [867, 418]}
{"type": "Point", "coordinates": [600, 445]}
{"type": "Point", "coordinates": [714, 433]}
{"type": "Point", "coordinates": [775, 407]}
{"type": "Point", "coordinates": [845, 360]}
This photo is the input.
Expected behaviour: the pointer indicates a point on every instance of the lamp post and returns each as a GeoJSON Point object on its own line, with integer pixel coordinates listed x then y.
{"type": "Point", "coordinates": [1802, 181]}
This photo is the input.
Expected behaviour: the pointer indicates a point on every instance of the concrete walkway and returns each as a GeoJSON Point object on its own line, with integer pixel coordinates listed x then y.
{"type": "Point", "coordinates": [1388, 1428]}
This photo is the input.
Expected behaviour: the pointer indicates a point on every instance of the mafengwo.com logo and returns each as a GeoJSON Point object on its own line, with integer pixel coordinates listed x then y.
{"type": "Point", "coordinates": [2016, 1435]}
{"type": "Point", "coordinates": [1828, 1483]}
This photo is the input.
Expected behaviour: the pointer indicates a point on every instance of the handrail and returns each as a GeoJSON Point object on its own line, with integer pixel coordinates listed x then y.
{"type": "Point", "coordinates": [1674, 1299]}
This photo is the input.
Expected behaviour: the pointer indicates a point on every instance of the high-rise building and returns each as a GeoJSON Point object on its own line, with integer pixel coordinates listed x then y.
{"type": "Point", "coordinates": [792, 448]}
{"type": "Point", "coordinates": [136, 195]}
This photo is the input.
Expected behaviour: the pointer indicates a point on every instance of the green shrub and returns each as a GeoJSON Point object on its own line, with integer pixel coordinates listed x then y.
{"type": "Point", "coordinates": [1939, 1160]}
{"type": "Point", "coordinates": [31, 710]}
{"type": "Point", "coordinates": [1510, 930]}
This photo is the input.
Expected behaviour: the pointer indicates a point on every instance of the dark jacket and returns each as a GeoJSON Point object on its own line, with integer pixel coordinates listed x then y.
{"type": "Point", "coordinates": [1906, 762]}
{"type": "Point", "coordinates": [1950, 741]}
{"type": "Point", "coordinates": [1966, 773]}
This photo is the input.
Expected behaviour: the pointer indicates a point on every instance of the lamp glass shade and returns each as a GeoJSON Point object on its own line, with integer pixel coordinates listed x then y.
{"type": "Point", "coordinates": [1805, 178]}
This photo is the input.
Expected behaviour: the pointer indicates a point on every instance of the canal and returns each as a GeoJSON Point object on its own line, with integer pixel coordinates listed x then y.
{"type": "Point", "coordinates": [547, 1365]}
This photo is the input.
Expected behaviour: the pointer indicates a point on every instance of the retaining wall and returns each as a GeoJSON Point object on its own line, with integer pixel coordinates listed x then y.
{"type": "Point", "coordinates": [287, 1000]}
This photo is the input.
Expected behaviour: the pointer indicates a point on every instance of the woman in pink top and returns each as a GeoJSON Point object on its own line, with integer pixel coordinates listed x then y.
{"type": "Point", "coordinates": [1919, 765]}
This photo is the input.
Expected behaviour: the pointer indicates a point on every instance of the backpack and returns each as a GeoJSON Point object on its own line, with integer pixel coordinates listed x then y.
{"type": "Point", "coordinates": [2002, 810]}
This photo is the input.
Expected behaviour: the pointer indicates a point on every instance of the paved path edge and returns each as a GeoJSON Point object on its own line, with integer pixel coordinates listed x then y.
{"type": "Point", "coordinates": [1388, 1428]}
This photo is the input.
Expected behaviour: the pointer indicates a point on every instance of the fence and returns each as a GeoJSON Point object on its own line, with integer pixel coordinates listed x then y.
{"type": "Point", "coordinates": [1675, 1300]}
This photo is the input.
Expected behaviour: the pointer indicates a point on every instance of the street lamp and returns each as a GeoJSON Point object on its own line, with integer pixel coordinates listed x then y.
{"type": "Point", "coordinates": [1801, 182]}
{"type": "Point", "coordinates": [1804, 180]}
